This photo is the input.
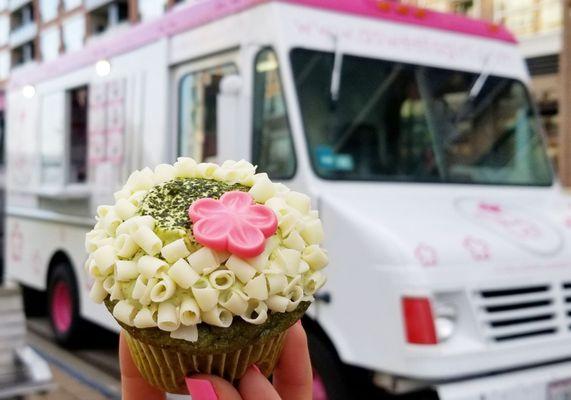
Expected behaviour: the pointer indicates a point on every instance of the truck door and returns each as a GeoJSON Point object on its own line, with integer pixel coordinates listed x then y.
{"type": "Point", "coordinates": [196, 89]}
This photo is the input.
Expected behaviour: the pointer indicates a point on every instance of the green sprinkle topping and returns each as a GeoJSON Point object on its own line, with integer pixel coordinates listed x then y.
{"type": "Point", "coordinates": [168, 203]}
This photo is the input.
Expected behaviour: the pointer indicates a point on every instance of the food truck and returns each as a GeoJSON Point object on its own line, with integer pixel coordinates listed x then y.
{"type": "Point", "coordinates": [415, 133]}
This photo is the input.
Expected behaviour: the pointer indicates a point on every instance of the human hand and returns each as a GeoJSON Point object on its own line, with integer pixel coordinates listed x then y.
{"type": "Point", "coordinates": [292, 378]}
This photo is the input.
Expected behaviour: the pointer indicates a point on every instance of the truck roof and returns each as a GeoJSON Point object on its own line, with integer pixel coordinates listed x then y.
{"type": "Point", "coordinates": [187, 17]}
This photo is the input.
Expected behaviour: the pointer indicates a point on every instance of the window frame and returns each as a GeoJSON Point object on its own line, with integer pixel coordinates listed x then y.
{"type": "Point", "coordinates": [386, 179]}
{"type": "Point", "coordinates": [255, 137]}
{"type": "Point", "coordinates": [179, 78]}
{"type": "Point", "coordinates": [64, 180]}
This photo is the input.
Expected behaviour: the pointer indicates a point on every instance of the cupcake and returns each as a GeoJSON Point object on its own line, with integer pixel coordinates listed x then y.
{"type": "Point", "coordinates": [205, 267]}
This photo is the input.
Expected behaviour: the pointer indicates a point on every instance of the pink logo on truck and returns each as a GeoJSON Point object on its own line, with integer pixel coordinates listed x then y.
{"type": "Point", "coordinates": [234, 223]}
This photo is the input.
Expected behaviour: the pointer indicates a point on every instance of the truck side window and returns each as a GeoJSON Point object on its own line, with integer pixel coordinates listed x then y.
{"type": "Point", "coordinates": [197, 112]}
{"type": "Point", "coordinates": [273, 149]}
{"type": "Point", "coordinates": [64, 137]}
{"type": "Point", "coordinates": [77, 100]}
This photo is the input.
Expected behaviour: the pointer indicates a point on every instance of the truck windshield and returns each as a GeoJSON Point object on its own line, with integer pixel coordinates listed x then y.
{"type": "Point", "coordinates": [410, 123]}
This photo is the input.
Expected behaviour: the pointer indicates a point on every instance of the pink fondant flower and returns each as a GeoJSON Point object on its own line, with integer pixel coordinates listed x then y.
{"type": "Point", "coordinates": [234, 223]}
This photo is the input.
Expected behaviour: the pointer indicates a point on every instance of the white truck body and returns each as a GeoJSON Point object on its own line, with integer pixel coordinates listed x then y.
{"type": "Point", "coordinates": [469, 246]}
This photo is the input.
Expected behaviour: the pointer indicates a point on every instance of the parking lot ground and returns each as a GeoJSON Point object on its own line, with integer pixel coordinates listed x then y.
{"type": "Point", "coordinates": [87, 373]}
{"type": "Point", "coordinates": [68, 388]}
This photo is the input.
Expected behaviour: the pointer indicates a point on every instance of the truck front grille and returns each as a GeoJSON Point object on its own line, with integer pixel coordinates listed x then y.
{"type": "Point", "coordinates": [515, 313]}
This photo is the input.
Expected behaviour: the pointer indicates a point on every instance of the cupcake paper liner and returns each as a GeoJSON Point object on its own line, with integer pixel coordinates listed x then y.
{"type": "Point", "coordinates": [166, 368]}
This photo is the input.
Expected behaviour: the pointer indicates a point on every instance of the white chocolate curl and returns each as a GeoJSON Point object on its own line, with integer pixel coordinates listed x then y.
{"type": "Point", "coordinates": [167, 318]}
{"type": "Point", "coordinates": [188, 333]}
{"type": "Point", "coordinates": [104, 258]}
{"type": "Point", "coordinates": [315, 256]}
{"type": "Point", "coordinates": [263, 188]}
{"type": "Point", "coordinates": [146, 239]}
{"type": "Point", "coordinates": [126, 270]}
{"type": "Point", "coordinates": [222, 279]}
{"type": "Point", "coordinates": [243, 271]}
{"type": "Point", "coordinates": [206, 296]}
{"type": "Point", "coordinates": [313, 232]}
{"type": "Point", "coordinates": [125, 246]}
{"type": "Point", "coordinates": [203, 259]}
{"type": "Point", "coordinates": [175, 251]}
{"type": "Point", "coordinates": [278, 303]}
{"type": "Point", "coordinates": [145, 319]}
{"type": "Point", "coordinates": [234, 302]}
{"type": "Point", "coordinates": [257, 312]}
{"type": "Point", "coordinates": [125, 209]}
{"type": "Point", "coordinates": [299, 201]}
{"type": "Point", "coordinates": [218, 317]}
{"type": "Point", "coordinates": [256, 288]}
{"type": "Point", "coordinates": [276, 282]}
{"type": "Point", "coordinates": [151, 266]}
{"type": "Point", "coordinates": [124, 312]}
{"type": "Point", "coordinates": [189, 312]}
{"type": "Point", "coordinates": [97, 293]}
{"type": "Point", "coordinates": [185, 167]}
{"type": "Point", "coordinates": [163, 290]}
{"type": "Point", "coordinates": [164, 173]}
{"type": "Point", "coordinates": [183, 274]}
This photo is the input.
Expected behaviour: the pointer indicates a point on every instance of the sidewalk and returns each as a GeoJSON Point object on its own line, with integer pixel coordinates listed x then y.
{"type": "Point", "coordinates": [68, 388]}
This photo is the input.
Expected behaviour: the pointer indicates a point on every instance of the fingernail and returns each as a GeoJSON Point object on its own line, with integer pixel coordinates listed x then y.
{"type": "Point", "coordinates": [298, 322]}
{"type": "Point", "coordinates": [255, 367]}
{"type": "Point", "coordinates": [200, 389]}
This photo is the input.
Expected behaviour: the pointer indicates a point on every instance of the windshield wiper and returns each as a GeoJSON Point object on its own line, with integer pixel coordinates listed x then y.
{"type": "Point", "coordinates": [336, 73]}
{"type": "Point", "coordinates": [475, 90]}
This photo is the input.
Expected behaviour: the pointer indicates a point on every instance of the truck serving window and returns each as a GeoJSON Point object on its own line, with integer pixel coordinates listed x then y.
{"type": "Point", "coordinates": [391, 121]}
{"type": "Point", "coordinates": [197, 112]}
{"type": "Point", "coordinates": [273, 150]}
{"type": "Point", "coordinates": [63, 140]}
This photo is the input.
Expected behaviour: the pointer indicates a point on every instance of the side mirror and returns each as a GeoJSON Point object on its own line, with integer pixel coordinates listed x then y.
{"type": "Point", "coordinates": [229, 120]}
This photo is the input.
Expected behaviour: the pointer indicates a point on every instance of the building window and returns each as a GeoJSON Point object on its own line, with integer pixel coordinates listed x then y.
{"type": "Point", "coordinates": [528, 17]}
{"type": "Point", "coordinates": [198, 92]}
{"type": "Point", "coordinates": [74, 33]}
{"type": "Point", "coordinates": [273, 149]}
{"type": "Point", "coordinates": [23, 54]}
{"type": "Point", "coordinates": [108, 16]}
{"type": "Point", "coordinates": [50, 43]}
{"type": "Point", "coordinates": [22, 16]}
{"type": "Point", "coordinates": [4, 29]}
{"type": "Point", "coordinates": [48, 9]}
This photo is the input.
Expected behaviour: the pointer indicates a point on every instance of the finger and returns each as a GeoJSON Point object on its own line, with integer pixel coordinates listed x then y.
{"type": "Point", "coordinates": [133, 385]}
{"type": "Point", "coordinates": [209, 387]}
{"type": "Point", "coordinates": [255, 386]}
{"type": "Point", "coordinates": [293, 378]}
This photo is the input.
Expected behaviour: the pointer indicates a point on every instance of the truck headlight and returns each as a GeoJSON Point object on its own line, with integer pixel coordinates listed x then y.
{"type": "Point", "coordinates": [445, 319]}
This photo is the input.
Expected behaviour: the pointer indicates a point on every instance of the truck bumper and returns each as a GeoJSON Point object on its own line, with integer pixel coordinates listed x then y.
{"type": "Point", "coordinates": [551, 382]}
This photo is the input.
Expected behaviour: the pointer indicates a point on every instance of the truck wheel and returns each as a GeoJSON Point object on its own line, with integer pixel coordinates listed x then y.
{"type": "Point", "coordinates": [63, 306]}
{"type": "Point", "coordinates": [329, 380]}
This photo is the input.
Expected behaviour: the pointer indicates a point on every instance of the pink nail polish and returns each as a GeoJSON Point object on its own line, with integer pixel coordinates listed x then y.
{"type": "Point", "coordinates": [200, 389]}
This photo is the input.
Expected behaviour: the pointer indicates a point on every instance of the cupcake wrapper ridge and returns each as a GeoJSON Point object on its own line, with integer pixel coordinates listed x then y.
{"type": "Point", "coordinates": [166, 369]}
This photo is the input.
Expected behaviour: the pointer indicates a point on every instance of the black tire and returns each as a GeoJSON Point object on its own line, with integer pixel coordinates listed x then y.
{"type": "Point", "coordinates": [329, 368]}
{"type": "Point", "coordinates": [62, 273]}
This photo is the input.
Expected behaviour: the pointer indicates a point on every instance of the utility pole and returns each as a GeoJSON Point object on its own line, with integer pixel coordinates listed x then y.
{"type": "Point", "coordinates": [564, 157]}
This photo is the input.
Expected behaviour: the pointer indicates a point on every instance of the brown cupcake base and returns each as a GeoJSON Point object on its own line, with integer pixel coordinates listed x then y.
{"type": "Point", "coordinates": [166, 369]}
{"type": "Point", "coordinates": [227, 352]}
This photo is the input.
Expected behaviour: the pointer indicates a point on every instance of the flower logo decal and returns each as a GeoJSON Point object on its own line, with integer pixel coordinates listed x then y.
{"type": "Point", "coordinates": [234, 223]}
